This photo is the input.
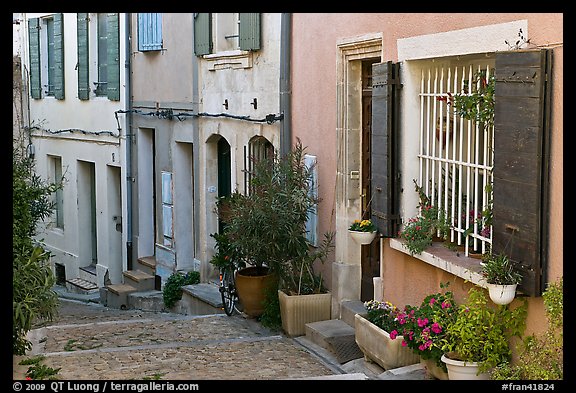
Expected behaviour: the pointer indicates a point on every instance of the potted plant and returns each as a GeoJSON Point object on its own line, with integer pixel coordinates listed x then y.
{"type": "Point", "coordinates": [501, 277]}
{"type": "Point", "coordinates": [540, 356]}
{"type": "Point", "coordinates": [424, 328]}
{"type": "Point", "coordinates": [377, 335]}
{"type": "Point", "coordinates": [363, 231]}
{"type": "Point", "coordinates": [479, 338]}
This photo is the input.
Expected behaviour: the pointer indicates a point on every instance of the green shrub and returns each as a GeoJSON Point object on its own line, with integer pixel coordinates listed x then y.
{"type": "Point", "coordinates": [172, 291]}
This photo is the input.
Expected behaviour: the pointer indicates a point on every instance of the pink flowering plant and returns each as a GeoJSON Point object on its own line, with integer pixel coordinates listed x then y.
{"type": "Point", "coordinates": [424, 328]}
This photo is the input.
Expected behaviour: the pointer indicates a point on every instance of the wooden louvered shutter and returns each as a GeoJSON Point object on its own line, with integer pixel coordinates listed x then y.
{"type": "Point", "coordinates": [59, 56]}
{"type": "Point", "coordinates": [249, 31]}
{"type": "Point", "coordinates": [384, 149]}
{"type": "Point", "coordinates": [149, 31]}
{"type": "Point", "coordinates": [113, 42]}
{"type": "Point", "coordinates": [202, 34]}
{"type": "Point", "coordinates": [82, 36]}
{"type": "Point", "coordinates": [34, 43]}
{"type": "Point", "coordinates": [521, 157]}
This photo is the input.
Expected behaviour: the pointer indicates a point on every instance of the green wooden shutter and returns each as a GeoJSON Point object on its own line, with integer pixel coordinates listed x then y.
{"type": "Point", "coordinates": [82, 66]}
{"type": "Point", "coordinates": [202, 34]}
{"type": "Point", "coordinates": [113, 41]}
{"type": "Point", "coordinates": [249, 31]}
{"type": "Point", "coordinates": [59, 56]}
{"type": "Point", "coordinates": [384, 148]}
{"type": "Point", "coordinates": [521, 157]}
{"type": "Point", "coordinates": [34, 43]}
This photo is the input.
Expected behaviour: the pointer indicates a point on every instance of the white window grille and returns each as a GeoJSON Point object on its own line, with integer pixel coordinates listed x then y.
{"type": "Point", "coordinates": [456, 157]}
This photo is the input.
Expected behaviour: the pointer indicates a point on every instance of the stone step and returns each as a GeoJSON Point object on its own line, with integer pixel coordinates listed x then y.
{"type": "Point", "coordinates": [348, 310]}
{"type": "Point", "coordinates": [140, 280]}
{"type": "Point", "coordinates": [80, 285]}
{"type": "Point", "coordinates": [201, 299]}
{"type": "Point", "coordinates": [116, 295]}
{"type": "Point", "coordinates": [88, 273]}
{"type": "Point", "coordinates": [147, 264]}
{"type": "Point", "coordinates": [337, 337]}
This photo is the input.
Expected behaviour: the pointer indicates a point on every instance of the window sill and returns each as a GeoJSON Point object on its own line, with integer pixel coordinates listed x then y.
{"type": "Point", "coordinates": [235, 59]}
{"type": "Point", "coordinates": [440, 257]}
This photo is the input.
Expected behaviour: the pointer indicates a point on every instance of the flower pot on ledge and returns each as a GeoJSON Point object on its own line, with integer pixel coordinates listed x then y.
{"type": "Point", "coordinates": [362, 238]}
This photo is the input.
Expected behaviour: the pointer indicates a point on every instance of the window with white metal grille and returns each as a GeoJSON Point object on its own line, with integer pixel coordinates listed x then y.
{"type": "Point", "coordinates": [456, 153]}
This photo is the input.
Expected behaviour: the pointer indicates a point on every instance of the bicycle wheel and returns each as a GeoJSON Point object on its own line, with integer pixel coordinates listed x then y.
{"type": "Point", "coordinates": [228, 291]}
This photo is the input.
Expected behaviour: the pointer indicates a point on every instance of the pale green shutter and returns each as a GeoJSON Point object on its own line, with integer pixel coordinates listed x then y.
{"type": "Point", "coordinates": [59, 56]}
{"type": "Point", "coordinates": [202, 33]}
{"type": "Point", "coordinates": [82, 32]}
{"type": "Point", "coordinates": [249, 31]}
{"type": "Point", "coordinates": [113, 40]}
{"type": "Point", "coordinates": [34, 41]}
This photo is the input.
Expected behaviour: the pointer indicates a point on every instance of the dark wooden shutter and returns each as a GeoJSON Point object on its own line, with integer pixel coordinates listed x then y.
{"type": "Point", "coordinates": [521, 156]}
{"type": "Point", "coordinates": [59, 56]}
{"type": "Point", "coordinates": [202, 34]}
{"type": "Point", "coordinates": [82, 66]}
{"type": "Point", "coordinates": [113, 42]}
{"type": "Point", "coordinates": [385, 152]}
{"type": "Point", "coordinates": [249, 31]}
{"type": "Point", "coordinates": [34, 43]}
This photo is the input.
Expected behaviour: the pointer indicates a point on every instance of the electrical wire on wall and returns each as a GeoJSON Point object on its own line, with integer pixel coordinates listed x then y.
{"type": "Point", "coordinates": [170, 115]}
{"type": "Point", "coordinates": [72, 130]}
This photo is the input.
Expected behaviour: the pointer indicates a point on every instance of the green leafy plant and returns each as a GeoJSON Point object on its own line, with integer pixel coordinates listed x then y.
{"type": "Point", "coordinates": [32, 296]}
{"type": "Point", "coordinates": [476, 101]}
{"type": "Point", "coordinates": [498, 269]}
{"type": "Point", "coordinates": [172, 290]}
{"type": "Point", "coordinates": [37, 370]}
{"type": "Point", "coordinates": [226, 254]}
{"type": "Point", "coordinates": [363, 226]}
{"type": "Point", "coordinates": [541, 356]}
{"type": "Point", "coordinates": [424, 327]}
{"type": "Point", "coordinates": [481, 332]}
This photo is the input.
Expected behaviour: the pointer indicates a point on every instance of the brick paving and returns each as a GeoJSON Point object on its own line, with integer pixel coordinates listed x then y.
{"type": "Point", "coordinates": [88, 341]}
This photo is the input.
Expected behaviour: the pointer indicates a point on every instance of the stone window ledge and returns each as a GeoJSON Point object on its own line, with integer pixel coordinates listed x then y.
{"type": "Point", "coordinates": [229, 59]}
{"type": "Point", "coordinates": [441, 257]}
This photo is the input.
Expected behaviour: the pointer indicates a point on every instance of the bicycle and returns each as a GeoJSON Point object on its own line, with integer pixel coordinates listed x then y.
{"type": "Point", "coordinates": [230, 300]}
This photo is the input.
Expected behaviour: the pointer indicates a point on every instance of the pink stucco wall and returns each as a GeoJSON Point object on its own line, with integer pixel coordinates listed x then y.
{"type": "Point", "coordinates": [314, 116]}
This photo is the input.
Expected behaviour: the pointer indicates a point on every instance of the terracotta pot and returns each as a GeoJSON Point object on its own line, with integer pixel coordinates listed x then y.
{"type": "Point", "coordinates": [252, 288]}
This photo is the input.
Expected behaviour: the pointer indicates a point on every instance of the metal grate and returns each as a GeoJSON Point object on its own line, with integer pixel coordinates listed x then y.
{"type": "Point", "coordinates": [456, 156]}
{"type": "Point", "coordinates": [344, 348]}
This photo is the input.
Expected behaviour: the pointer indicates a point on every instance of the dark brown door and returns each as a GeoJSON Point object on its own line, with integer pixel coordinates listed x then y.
{"type": "Point", "coordinates": [370, 254]}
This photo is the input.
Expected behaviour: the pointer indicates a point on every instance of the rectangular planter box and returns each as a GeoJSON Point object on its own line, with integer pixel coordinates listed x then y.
{"type": "Point", "coordinates": [378, 347]}
{"type": "Point", "coordinates": [297, 311]}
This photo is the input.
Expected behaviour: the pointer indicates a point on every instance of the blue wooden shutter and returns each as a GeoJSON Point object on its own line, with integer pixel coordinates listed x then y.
{"type": "Point", "coordinates": [82, 34]}
{"type": "Point", "coordinates": [59, 56]}
{"type": "Point", "coordinates": [113, 41]}
{"type": "Point", "coordinates": [34, 43]}
{"type": "Point", "coordinates": [521, 159]}
{"type": "Point", "coordinates": [312, 222]}
{"type": "Point", "coordinates": [249, 31]}
{"type": "Point", "coordinates": [202, 33]}
{"type": "Point", "coordinates": [149, 31]}
{"type": "Point", "coordinates": [385, 182]}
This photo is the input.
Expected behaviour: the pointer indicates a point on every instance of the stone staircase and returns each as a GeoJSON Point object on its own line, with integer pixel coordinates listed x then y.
{"type": "Point", "coordinates": [85, 283]}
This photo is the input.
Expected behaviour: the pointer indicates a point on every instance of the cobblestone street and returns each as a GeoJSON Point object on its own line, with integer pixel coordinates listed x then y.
{"type": "Point", "coordinates": [88, 341]}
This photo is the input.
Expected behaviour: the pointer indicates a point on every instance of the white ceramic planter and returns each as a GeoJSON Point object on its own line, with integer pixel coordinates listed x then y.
{"type": "Point", "coordinates": [362, 238]}
{"type": "Point", "coordinates": [459, 370]}
{"type": "Point", "coordinates": [502, 294]}
{"type": "Point", "coordinates": [378, 347]}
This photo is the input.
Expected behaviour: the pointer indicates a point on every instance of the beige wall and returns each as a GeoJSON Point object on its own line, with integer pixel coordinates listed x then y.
{"type": "Point", "coordinates": [315, 110]}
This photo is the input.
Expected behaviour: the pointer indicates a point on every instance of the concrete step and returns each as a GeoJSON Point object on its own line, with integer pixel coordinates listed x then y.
{"type": "Point", "coordinates": [201, 299]}
{"type": "Point", "coordinates": [116, 295]}
{"type": "Point", "coordinates": [88, 273]}
{"type": "Point", "coordinates": [140, 280]}
{"type": "Point", "coordinates": [337, 337]}
{"type": "Point", "coordinates": [147, 264]}
{"type": "Point", "coordinates": [348, 310]}
{"type": "Point", "coordinates": [152, 300]}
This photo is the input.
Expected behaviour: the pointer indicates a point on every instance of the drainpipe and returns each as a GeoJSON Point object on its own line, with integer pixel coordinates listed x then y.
{"type": "Point", "coordinates": [128, 103]}
{"type": "Point", "coordinates": [285, 89]}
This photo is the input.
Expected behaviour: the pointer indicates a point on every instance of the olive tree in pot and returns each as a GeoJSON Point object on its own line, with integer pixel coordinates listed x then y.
{"type": "Point", "coordinates": [267, 225]}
